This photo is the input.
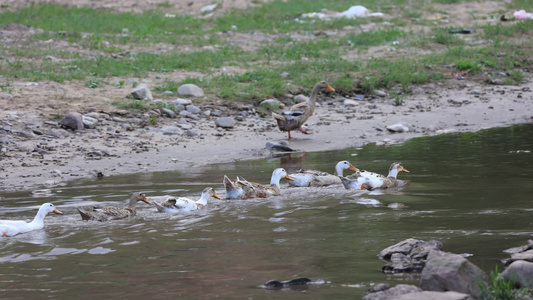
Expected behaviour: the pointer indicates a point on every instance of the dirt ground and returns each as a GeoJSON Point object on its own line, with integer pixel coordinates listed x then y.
{"type": "Point", "coordinates": [36, 160]}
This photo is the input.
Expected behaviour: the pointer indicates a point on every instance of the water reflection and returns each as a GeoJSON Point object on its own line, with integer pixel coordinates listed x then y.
{"type": "Point", "coordinates": [471, 191]}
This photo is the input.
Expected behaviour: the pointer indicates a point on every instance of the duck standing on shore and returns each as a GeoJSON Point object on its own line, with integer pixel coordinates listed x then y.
{"type": "Point", "coordinates": [298, 114]}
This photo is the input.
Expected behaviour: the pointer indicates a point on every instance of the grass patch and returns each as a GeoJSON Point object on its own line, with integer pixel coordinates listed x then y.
{"type": "Point", "coordinates": [366, 39]}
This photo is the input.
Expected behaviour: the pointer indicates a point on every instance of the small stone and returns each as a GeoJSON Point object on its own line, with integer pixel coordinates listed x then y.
{"type": "Point", "coordinates": [190, 90]}
{"type": "Point", "coordinates": [225, 122]}
{"type": "Point", "coordinates": [168, 112]}
{"type": "Point", "coordinates": [270, 103]}
{"type": "Point", "coordinates": [142, 92]}
{"type": "Point", "coordinates": [350, 102]}
{"type": "Point", "coordinates": [400, 127]}
{"type": "Point", "coordinates": [380, 93]}
{"type": "Point", "coordinates": [181, 101]}
{"type": "Point", "coordinates": [89, 122]}
{"type": "Point", "coordinates": [193, 109]}
{"type": "Point", "coordinates": [300, 98]}
{"type": "Point", "coordinates": [72, 120]}
{"type": "Point", "coordinates": [191, 132]}
{"type": "Point", "coordinates": [168, 93]}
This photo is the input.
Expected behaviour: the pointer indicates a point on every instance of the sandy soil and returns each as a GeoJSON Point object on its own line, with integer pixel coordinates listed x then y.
{"type": "Point", "coordinates": [33, 159]}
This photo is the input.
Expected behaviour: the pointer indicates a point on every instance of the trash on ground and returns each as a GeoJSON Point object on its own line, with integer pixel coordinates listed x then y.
{"type": "Point", "coordinates": [522, 15]}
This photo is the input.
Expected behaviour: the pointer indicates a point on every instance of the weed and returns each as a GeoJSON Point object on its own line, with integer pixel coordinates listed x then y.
{"type": "Point", "coordinates": [516, 77]}
{"type": "Point", "coordinates": [120, 84]}
{"type": "Point", "coordinates": [500, 289]}
{"type": "Point", "coordinates": [153, 120]}
{"type": "Point", "coordinates": [94, 83]}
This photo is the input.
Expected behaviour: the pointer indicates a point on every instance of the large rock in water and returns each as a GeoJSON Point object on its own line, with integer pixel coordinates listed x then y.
{"type": "Point", "coordinates": [407, 256]}
{"type": "Point", "coordinates": [451, 272]}
{"type": "Point", "coordinates": [72, 120]}
{"type": "Point", "coordinates": [190, 90]}
{"type": "Point", "coordinates": [521, 272]}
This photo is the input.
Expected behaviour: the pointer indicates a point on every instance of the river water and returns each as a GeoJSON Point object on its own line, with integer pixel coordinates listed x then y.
{"type": "Point", "coordinates": [472, 191]}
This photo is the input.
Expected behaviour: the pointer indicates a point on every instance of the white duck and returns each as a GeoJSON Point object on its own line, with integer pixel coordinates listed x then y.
{"type": "Point", "coordinates": [11, 228]}
{"type": "Point", "coordinates": [370, 181]}
{"type": "Point", "coordinates": [251, 189]}
{"type": "Point", "coordinates": [182, 204]}
{"type": "Point", "coordinates": [315, 178]}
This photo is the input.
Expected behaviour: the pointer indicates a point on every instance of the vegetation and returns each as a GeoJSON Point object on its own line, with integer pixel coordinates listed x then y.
{"type": "Point", "coordinates": [120, 45]}
{"type": "Point", "coordinates": [501, 289]}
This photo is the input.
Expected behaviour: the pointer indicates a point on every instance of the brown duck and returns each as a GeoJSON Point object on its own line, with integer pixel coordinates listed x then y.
{"type": "Point", "coordinates": [298, 114]}
{"type": "Point", "coordinates": [108, 213]}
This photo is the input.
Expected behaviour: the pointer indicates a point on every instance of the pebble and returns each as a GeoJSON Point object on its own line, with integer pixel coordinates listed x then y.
{"type": "Point", "coordinates": [380, 93]}
{"type": "Point", "coordinates": [89, 122]}
{"type": "Point", "coordinates": [270, 103]}
{"type": "Point", "coordinates": [190, 90]}
{"type": "Point", "coordinates": [168, 112]}
{"type": "Point", "coordinates": [193, 109]}
{"type": "Point", "coordinates": [72, 120]}
{"type": "Point", "coordinates": [142, 92]}
{"type": "Point", "coordinates": [399, 127]}
{"type": "Point", "coordinates": [225, 122]}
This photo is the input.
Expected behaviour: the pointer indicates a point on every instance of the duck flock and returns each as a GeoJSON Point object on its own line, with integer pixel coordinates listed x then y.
{"type": "Point", "coordinates": [239, 188]}
{"type": "Point", "coordinates": [292, 119]}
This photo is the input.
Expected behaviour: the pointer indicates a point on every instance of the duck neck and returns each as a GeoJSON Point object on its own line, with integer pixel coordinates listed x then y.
{"type": "Point", "coordinates": [133, 203]}
{"type": "Point", "coordinates": [39, 217]}
{"type": "Point", "coordinates": [393, 173]}
{"type": "Point", "coordinates": [203, 199]}
{"type": "Point", "coordinates": [312, 99]}
{"type": "Point", "coordinates": [274, 181]}
{"type": "Point", "coordinates": [339, 171]}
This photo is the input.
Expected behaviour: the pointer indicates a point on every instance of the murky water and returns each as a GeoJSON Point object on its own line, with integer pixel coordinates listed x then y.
{"type": "Point", "coordinates": [471, 191]}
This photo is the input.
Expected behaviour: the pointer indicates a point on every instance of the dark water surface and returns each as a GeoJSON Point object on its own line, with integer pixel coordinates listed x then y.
{"type": "Point", "coordinates": [471, 191]}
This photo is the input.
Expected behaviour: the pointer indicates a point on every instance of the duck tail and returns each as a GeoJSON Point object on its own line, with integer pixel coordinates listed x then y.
{"type": "Point", "coordinates": [278, 117]}
{"type": "Point", "coordinates": [85, 215]}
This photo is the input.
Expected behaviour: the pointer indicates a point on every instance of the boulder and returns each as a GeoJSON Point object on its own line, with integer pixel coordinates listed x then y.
{"type": "Point", "coordinates": [451, 272]}
{"type": "Point", "coordinates": [190, 90]}
{"type": "Point", "coordinates": [142, 92]}
{"type": "Point", "coordinates": [72, 120]}
{"type": "Point", "coordinates": [408, 256]}
{"type": "Point", "coordinates": [393, 293]}
{"type": "Point", "coordinates": [521, 272]}
{"type": "Point", "coordinates": [434, 296]}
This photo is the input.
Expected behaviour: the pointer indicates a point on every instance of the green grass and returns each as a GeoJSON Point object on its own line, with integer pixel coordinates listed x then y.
{"type": "Point", "coordinates": [297, 48]}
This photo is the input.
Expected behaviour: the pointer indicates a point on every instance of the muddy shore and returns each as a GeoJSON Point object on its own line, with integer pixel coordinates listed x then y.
{"type": "Point", "coordinates": [33, 161]}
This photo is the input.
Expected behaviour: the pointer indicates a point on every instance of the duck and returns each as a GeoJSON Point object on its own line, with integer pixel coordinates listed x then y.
{"type": "Point", "coordinates": [182, 204]}
{"type": "Point", "coordinates": [108, 213]}
{"type": "Point", "coordinates": [313, 178]}
{"type": "Point", "coordinates": [298, 114]}
{"type": "Point", "coordinates": [243, 189]}
{"type": "Point", "coordinates": [370, 181]}
{"type": "Point", "coordinates": [234, 189]}
{"type": "Point", "coordinates": [14, 227]}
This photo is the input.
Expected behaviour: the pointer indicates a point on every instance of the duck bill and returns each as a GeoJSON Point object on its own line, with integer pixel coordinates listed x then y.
{"type": "Point", "coordinates": [288, 178]}
{"type": "Point", "coordinates": [405, 170]}
{"type": "Point", "coordinates": [145, 200]}
{"type": "Point", "coordinates": [56, 211]}
{"type": "Point", "coordinates": [353, 168]}
{"type": "Point", "coordinates": [329, 87]}
{"type": "Point", "coordinates": [216, 196]}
